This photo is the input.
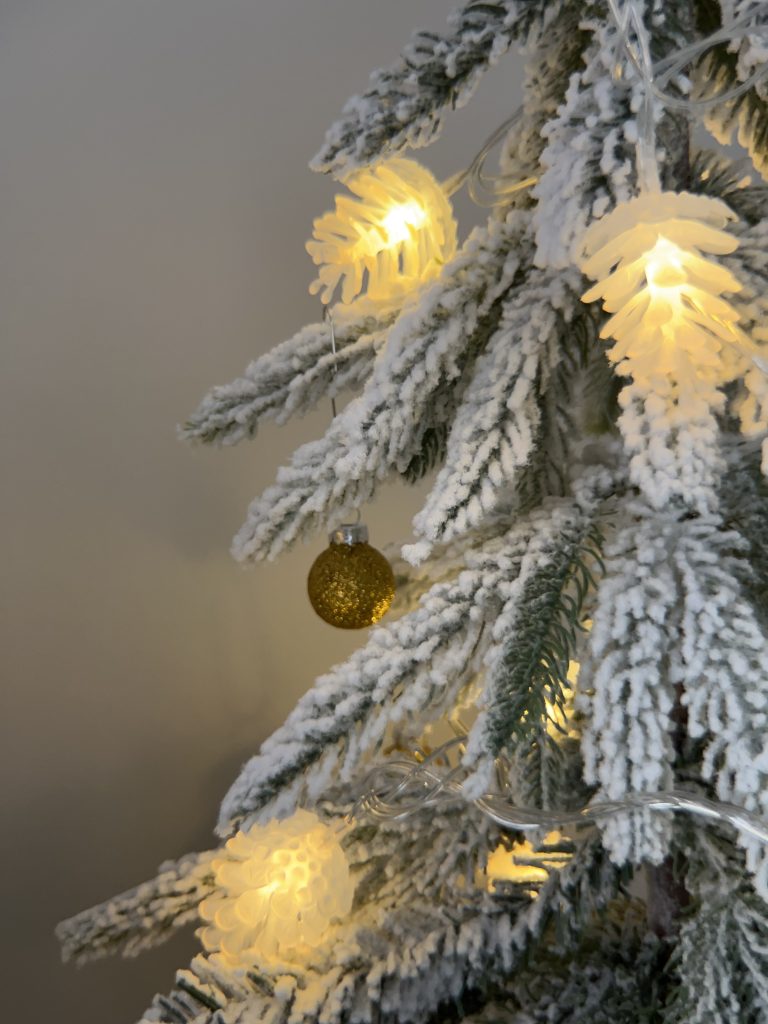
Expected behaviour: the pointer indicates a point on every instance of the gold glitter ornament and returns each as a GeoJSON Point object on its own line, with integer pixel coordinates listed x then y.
{"type": "Point", "coordinates": [351, 585]}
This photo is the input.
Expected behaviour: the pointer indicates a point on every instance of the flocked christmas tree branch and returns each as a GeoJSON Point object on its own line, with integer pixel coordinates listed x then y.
{"type": "Point", "coordinates": [288, 380]}
{"type": "Point", "coordinates": [425, 354]}
{"type": "Point", "coordinates": [442, 952]}
{"type": "Point", "coordinates": [498, 423]}
{"type": "Point", "coordinates": [142, 917]}
{"type": "Point", "coordinates": [414, 668]}
{"type": "Point", "coordinates": [405, 104]}
{"type": "Point", "coordinates": [729, 65]}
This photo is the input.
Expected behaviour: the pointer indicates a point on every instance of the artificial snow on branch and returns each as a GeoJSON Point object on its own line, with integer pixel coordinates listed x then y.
{"type": "Point", "coordinates": [379, 432]}
{"type": "Point", "coordinates": [720, 660]}
{"type": "Point", "coordinates": [409, 673]}
{"type": "Point", "coordinates": [406, 103]}
{"type": "Point", "coordinates": [288, 380]}
{"type": "Point", "coordinates": [695, 662]}
{"type": "Point", "coordinates": [722, 962]}
{"type": "Point", "coordinates": [535, 639]}
{"type": "Point", "coordinates": [750, 264]}
{"type": "Point", "coordinates": [625, 692]}
{"type": "Point", "coordinates": [587, 158]}
{"type": "Point", "coordinates": [399, 964]}
{"type": "Point", "coordinates": [719, 966]}
{"type": "Point", "coordinates": [728, 66]}
{"type": "Point", "coordinates": [497, 425]}
{"type": "Point", "coordinates": [142, 917]}
{"type": "Point", "coordinates": [550, 59]}
{"type": "Point", "coordinates": [744, 507]}
{"type": "Point", "coordinates": [610, 980]}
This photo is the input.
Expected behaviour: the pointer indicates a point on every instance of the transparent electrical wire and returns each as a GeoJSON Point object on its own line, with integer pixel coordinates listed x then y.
{"type": "Point", "coordinates": [404, 786]}
{"type": "Point", "coordinates": [489, 189]}
{"type": "Point", "coordinates": [639, 56]}
{"type": "Point", "coordinates": [656, 76]}
{"type": "Point", "coordinates": [633, 46]}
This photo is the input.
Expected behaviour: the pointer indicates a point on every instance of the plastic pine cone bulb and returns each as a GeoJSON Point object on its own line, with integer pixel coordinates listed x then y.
{"type": "Point", "coordinates": [386, 240]}
{"type": "Point", "coordinates": [351, 585]}
{"type": "Point", "coordinates": [279, 886]}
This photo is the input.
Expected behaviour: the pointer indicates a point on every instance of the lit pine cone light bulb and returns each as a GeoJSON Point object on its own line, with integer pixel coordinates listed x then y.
{"type": "Point", "coordinates": [351, 585]}
{"type": "Point", "coordinates": [279, 887]}
{"type": "Point", "coordinates": [385, 244]}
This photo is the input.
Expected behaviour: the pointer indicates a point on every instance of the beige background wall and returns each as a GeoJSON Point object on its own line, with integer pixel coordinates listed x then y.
{"type": "Point", "coordinates": [154, 203]}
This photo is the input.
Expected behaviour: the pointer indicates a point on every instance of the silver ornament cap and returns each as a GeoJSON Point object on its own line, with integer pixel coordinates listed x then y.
{"type": "Point", "coordinates": [349, 533]}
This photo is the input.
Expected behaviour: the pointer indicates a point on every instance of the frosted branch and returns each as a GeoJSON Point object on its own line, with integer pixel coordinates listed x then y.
{"type": "Point", "coordinates": [624, 688]}
{"type": "Point", "coordinates": [526, 670]}
{"type": "Point", "coordinates": [729, 66]}
{"type": "Point", "coordinates": [721, 666]}
{"type": "Point", "coordinates": [399, 964]}
{"type": "Point", "coordinates": [496, 427]}
{"type": "Point", "coordinates": [406, 103]}
{"type": "Point", "coordinates": [288, 380]}
{"type": "Point", "coordinates": [379, 432]}
{"type": "Point", "coordinates": [722, 962]}
{"type": "Point", "coordinates": [142, 917]}
{"type": "Point", "coordinates": [588, 157]}
{"type": "Point", "coordinates": [409, 672]}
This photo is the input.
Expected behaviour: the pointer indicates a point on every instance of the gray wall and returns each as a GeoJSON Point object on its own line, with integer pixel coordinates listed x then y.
{"type": "Point", "coordinates": [154, 202]}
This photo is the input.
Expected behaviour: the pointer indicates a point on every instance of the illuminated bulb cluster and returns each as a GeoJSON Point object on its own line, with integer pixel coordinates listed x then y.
{"type": "Point", "coordinates": [389, 241]}
{"type": "Point", "coordinates": [560, 716]}
{"type": "Point", "coordinates": [648, 258]}
{"type": "Point", "coordinates": [517, 865]}
{"type": "Point", "coordinates": [279, 886]}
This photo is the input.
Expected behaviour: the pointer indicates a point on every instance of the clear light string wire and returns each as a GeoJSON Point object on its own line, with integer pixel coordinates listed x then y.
{"type": "Point", "coordinates": [633, 47]}
{"type": "Point", "coordinates": [639, 55]}
{"type": "Point", "coordinates": [489, 189]}
{"type": "Point", "coordinates": [404, 786]}
{"type": "Point", "coordinates": [662, 71]}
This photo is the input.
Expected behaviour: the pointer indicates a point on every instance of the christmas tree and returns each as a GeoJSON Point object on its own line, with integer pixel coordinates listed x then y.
{"type": "Point", "coordinates": [538, 792]}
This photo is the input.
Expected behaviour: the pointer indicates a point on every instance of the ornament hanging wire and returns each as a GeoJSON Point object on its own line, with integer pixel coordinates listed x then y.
{"type": "Point", "coordinates": [404, 786]}
{"type": "Point", "coordinates": [328, 317]}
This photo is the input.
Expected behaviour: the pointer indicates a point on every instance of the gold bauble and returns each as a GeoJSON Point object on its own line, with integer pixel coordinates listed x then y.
{"type": "Point", "coordinates": [351, 584]}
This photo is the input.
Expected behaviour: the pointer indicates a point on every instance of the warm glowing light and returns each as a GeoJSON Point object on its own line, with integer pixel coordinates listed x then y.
{"type": "Point", "coordinates": [559, 717]}
{"type": "Point", "coordinates": [401, 220]}
{"type": "Point", "coordinates": [648, 258]}
{"type": "Point", "coordinates": [279, 886]}
{"type": "Point", "coordinates": [665, 270]}
{"type": "Point", "coordinates": [389, 241]}
{"type": "Point", "coordinates": [518, 864]}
